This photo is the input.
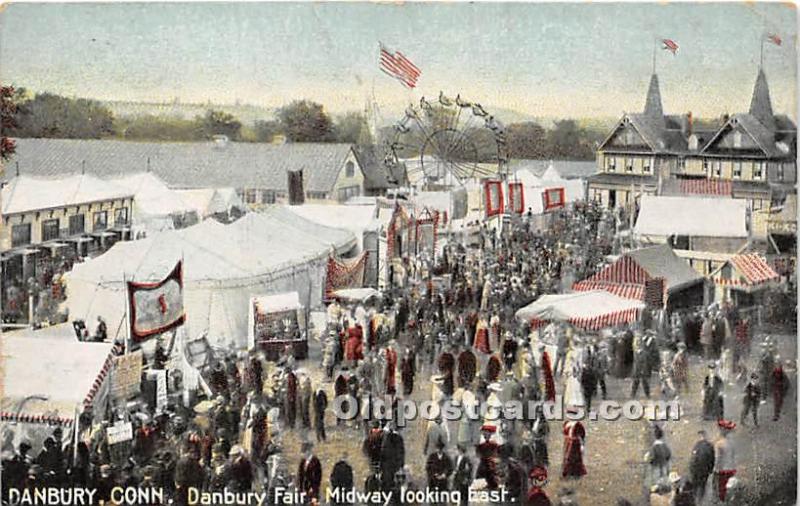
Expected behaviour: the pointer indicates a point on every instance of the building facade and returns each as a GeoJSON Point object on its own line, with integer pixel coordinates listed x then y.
{"type": "Point", "coordinates": [748, 155]}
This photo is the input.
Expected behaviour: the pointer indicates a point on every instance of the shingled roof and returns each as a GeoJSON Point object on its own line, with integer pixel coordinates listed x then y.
{"type": "Point", "coordinates": [188, 164]}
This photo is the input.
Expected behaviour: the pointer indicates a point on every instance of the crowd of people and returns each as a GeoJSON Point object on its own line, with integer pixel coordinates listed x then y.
{"type": "Point", "coordinates": [445, 332]}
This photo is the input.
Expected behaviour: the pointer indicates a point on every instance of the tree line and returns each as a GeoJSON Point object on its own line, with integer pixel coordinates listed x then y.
{"type": "Point", "coordinates": [53, 116]}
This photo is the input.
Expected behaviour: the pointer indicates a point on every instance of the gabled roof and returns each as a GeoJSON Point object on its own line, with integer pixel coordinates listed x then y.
{"type": "Point", "coordinates": [754, 269]}
{"type": "Point", "coordinates": [187, 164]}
{"type": "Point", "coordinates": [765, 138]}
{"type": "Point", "coordinates": [661, 262]}
{"type": "Point", "coordinates": [377, 175]}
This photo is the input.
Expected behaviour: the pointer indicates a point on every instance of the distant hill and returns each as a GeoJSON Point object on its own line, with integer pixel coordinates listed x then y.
{"type": "Point", "coordinates": [246, 113]}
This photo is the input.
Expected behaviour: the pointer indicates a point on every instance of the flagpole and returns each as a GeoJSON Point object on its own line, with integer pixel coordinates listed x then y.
{"type": "Point", "coordinates": [655, 44]}
{"type": "Point", "coordinates": [761, 58]}
{"type": "Point", "coordinates": [128, 340]}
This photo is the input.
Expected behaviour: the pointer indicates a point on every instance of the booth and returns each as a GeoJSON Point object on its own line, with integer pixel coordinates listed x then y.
{"type": "Point", "coordinates": [592, 310]}
{"type": "Point", "coordinates": [278, 322]}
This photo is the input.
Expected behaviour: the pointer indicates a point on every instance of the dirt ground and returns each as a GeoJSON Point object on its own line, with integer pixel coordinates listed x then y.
{"type": "Point", "coordinates": [766, 455]}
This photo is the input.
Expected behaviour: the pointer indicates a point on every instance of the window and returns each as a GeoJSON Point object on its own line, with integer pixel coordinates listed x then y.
{"type": "Point", "coordinates": [317, 195]}
{"type": "Point", "coordinates": [758, 170]}
{"type": "Point", "coordinates": [20, 235]}
{"type": "Point", "coordinates": [628, 165]}
{"type": "Point", "coordinates": [121, 216]}
{"type": "Point", "coordinates": [49, 230]}
{"type": "Point", "coordinates": [250, 197]}
{"type": "Point", "coordinates": [737, 139]}
{"type": "Point", "coordinates": [706, 166]}
{"type": "Point", "coordinates": [267, 197]}
{"type": "Point", "coordinates": [100, 220]}
{"type": "Point", "coordinates": [780, 171]}
{"type": "Point", "coordinates": [737, 170]}
{"type": "Point", "coordinates": [758, 204]}
{"type": "Point", "coordinates": [611, 164]}
{"type": "Point", "coordinates": [348, 192]}
{"type": "Point", "coordinates": [646, 167]}
{"type": "Point", "coordinates": [349, 169]}
{"type": "Point", "coordinates": [76, 224]}
{"type": "Point", "coordinates": [718, 169]}
{"type": "Point", "coordinates": [681, 164]}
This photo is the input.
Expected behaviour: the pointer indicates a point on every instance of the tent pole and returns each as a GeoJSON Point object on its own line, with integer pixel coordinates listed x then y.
{"type": "Point", "coordinates": [128, 340]}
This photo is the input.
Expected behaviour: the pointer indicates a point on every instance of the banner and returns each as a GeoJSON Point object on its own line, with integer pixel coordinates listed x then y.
{"type": "Point", "coordinates": [553, 198]}
{"type": "Point", "coordinates": [119, 433]}
{"type": "Point", "coordinates": [126, 378]}
{"type": "Point", "coordinates": [516, 198]}
{"type": "Point", "coordinates": [156, 307]}
{"type": "Point", "coordinates": [344, 273]}
{"type": "Point", "coordinates": [494, 197]}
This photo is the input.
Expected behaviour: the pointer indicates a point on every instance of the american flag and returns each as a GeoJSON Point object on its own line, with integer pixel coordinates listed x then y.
{"type": "Point", "coordinates": [395, 64]}
{"type": "Point", "coordinates": [670, 45]}
{"type": "Point", "coordinates": [775, 39]}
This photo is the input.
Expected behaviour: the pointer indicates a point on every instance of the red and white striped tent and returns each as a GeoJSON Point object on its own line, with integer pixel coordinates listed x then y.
{"type": "Point", "coordinates": [593, 310]}
{"type": "Point", "coordinates": [50, 380]}
{"type": "Point", "coordinates": [748, 272]}
{"type": "Point", "coordinates": [628, 276]}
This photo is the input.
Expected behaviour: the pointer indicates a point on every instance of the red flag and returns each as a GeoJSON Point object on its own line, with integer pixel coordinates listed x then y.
{"type": "Point", "coordinates": [670, 45]}
{"type": "Point", "coordinates": [775, 39]}
{"type": "Point", "coordinates": [396, 65]}
{"type": "Point", "coordinates": [156, 307]}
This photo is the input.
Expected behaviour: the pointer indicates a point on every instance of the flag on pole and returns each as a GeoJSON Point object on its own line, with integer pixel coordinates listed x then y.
{"type": "Point", "coordinates": [396, 65]}
{"type": "Point", "coordinates": [775, 39]}
{"type": "Point", "coordinates": [670, 45]}
{"type": "Point", "coordinates": [156, 307]}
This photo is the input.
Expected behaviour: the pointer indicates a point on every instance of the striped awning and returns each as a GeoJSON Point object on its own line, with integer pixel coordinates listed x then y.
{"type": "Point", "coordinates": [707, 187]}
{"type": "Point", "coordinates": [633, 291]}
{"type": "Point", "coordinates": [751, 271]}
{"type": "Point", "coordinates": [597, 322]}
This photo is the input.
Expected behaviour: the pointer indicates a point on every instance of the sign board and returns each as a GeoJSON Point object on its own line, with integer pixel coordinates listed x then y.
{"type": "Point", "coordinates": [160, 376]}
{"type": "Point", "coordinates": [126, 378]}
{"type": "Point", "coordinates": [119, 433]}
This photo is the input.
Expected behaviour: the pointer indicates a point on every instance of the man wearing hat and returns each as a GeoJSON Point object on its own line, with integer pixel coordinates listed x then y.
{"type": "Point", "coordinates": [680, 369]}
{"type": "Point", "coordinates": [487, 453]}
{"type": "Point", "coordinates": [713, 407]}
{"type": "Point", "coordinates": [724, 457]}
{"type": "Point", "coordinates": [462, 477]}
{"type": "Point", "coordinates": [780, 387]}
{"type": "Point", "coordinates": [751, 399]}
{"type": "Point", "coordinates": [309, 472]}
{"type": "Point", "coordinates": [536, 493]}
{"type": "Point", "coordinates": [439, 467]}
{"type": "Point", "coordinates": [341, 478]}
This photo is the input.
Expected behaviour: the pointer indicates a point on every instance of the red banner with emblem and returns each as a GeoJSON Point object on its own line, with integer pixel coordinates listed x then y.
{"type": "Point", "coordinates": [156, 307]}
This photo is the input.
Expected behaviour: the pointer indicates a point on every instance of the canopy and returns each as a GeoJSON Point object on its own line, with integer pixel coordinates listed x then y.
{"type": "Point", "coordinates": [527, 177]}
{"type": "Point", "coordinates": [692, 216]}
{"type": "Point", "coordinates": [356, 294]}
{"type": "Point", "coordinates": [748, 272]}
{"type": "Point", "coordinates": [46, 378]}
{"type": "Point", "coordinates": [23, 193]}
{"type": "Point", "coordinates": [209, 201]}
{"type": "Point", "coordinates": [590, 310]}
{"type": "Point", "coordinates": [223, 266]}
{"type": "Point", "coordinates": [355, 218]}
{"type": "Point", "coordinates": [277, 303]}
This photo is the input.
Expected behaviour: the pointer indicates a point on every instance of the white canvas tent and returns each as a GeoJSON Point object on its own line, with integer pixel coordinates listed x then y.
{"type": "Point", "coordinates": [355, 218]}
{"type": "Point", "coordinates": [154, 204]}
{"type": "Point", "coordinates": [210, 201]}
{"type": "Point", "coordinates": [224, 265]}
{"type": "Point", "coordinates": [590, 310]}
{"type": "Point", "coordinates": [24, 193]}
{"type": "Point", "coordinates": [49, 380]}
{"type": "Point", "coordinates": [691, 216]}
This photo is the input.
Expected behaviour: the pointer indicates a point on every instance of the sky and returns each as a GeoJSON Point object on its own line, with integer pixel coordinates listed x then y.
{"type": "Point", "coordinates": [561, 60]}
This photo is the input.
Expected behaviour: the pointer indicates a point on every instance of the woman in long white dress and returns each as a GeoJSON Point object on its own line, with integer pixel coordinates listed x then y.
{"type": "Point", "coordinates": [573, 394]}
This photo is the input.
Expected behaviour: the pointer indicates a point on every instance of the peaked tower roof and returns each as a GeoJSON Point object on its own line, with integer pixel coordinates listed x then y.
{"type": "Point", "coordinates": [760, 104]}
{"type": "Point", "coordinates": [652, 105]}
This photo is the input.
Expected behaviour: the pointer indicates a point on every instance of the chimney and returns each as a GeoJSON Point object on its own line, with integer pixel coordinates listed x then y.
{"type": "Point", "coordinates": [690, 121]}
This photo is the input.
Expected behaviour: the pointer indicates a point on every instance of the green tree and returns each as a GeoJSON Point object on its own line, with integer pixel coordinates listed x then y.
{"type": "Point", "coordinates": [8, 113]}
{"type": "Point", "coordinates": [266, 130]}
{"type": "Point", "coordinates": [220, 123]}
{"type": "Point", "coordinates": [526, 140]}
{"type": "Point", "coordinates": [305, 121]}
{"type": "Point", "coordinates": [50, 115]}
{"type": "Point", "coordinates": [159, 128]}
{"type": "Point", "coordinates": [352, 128]}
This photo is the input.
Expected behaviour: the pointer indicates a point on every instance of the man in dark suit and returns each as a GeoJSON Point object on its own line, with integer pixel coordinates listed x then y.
{"type": "Point", "coordinates": [309, 473]}
{"type": "Point", "coordinates": [342, 478]}
{"type": "Point", "coordinates": [320, 405]}
{"type": "Point", "coordinates": [393, 454]}
{"type": "Point", "coordinates": [462, 478]}
{"type": "Point", "coordinates": [701, 464]}
{"type": "Point", "coordinates": [439, 468]}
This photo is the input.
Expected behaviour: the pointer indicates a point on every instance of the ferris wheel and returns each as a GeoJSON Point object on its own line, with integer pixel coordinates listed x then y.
{"type": "Point", "coordinates": [448, 142]}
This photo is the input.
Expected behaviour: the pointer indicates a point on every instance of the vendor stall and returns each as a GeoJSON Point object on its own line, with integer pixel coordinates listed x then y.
{"type": "Point", "coordinates": [592, 310]}
{"type": "Point", "coordinates": [278, 322]}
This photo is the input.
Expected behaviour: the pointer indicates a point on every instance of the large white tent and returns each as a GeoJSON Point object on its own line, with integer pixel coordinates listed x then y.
{"type": "Point", "coordinates": [661, 216]}
{"type": "Point", "coordinates": [355, 218]}
{"type": "Point", "coordinates": [154, 204]}
{"type": "Point", "coordinates": [592, 310]}
{"type": "Point", "coordinates": [48, 380]}
{"type": "Point", "coordinates": [223, 265]}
